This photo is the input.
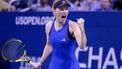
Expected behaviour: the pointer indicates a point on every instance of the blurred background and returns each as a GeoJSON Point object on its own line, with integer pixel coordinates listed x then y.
{"type": "Point", "coordinates": [103, 26]}
{"type": "Point", "coordinates": [45, 5]}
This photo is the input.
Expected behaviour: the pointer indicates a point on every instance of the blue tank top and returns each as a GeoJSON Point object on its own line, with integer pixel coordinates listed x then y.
{"type": "Point", "coordinates": [63, 54]}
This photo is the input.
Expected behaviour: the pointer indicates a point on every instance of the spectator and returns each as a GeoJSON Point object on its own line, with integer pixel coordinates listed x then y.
{"type": "Point", "coordinates": [42, 7]}
{"type": "Point", "coordinates": [22, 5]}
{"type": "Point", "coordinates": [78, 5]}
{"type": "Point", "coordinates": [105, 6]}
{"type": "Point", "coordinates": [14, 4]}
{"type": "Point", "coordinates": [3, 5]}
{"type": "Point", "coordinates": [117, 5]}
{"type": "Point", "coordinates": [95, 5]}
{"type": "Point", "coordinates": [72, 8]}
{"type": "Point", "coordinates": [87, 5]}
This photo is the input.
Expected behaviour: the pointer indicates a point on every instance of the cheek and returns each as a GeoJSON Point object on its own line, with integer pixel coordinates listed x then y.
{"type": "Point", "coordinates": [67, 12]}
{"type": "Point", "coordinates": [60, 14]}
{"type": "Point", "coordinates": [56, 13]}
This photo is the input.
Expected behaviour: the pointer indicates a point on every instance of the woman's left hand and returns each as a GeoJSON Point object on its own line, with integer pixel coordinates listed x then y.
{"type": "Point", "coordinates": [80, 22]}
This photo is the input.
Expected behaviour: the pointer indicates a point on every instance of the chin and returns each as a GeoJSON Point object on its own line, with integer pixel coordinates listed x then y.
{"type": "Point", "coordinates": [63, 19]}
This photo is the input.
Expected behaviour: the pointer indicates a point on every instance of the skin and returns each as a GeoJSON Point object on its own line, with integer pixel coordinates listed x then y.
{"type": "Point", "coordinates": [76, 29]}
{"type": "Point", "coordinates": [105, 4]}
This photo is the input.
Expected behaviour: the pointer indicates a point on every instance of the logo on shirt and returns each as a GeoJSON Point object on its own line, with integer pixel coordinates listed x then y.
{"type": "Point", "coordinates": [63, 40]}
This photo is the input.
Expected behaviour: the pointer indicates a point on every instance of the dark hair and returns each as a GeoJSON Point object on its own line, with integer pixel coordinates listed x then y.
{"type": "Point", "coordinates": [55, 1]}
{"type": "Point", "coordinates": [60, 4]}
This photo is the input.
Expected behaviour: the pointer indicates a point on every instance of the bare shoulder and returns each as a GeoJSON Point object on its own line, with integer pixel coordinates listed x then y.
{"type": "Point", "coordinates": [48, 26]}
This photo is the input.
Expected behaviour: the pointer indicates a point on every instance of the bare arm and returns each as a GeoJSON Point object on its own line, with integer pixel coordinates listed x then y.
{"type": "Point", "coordinates": [78, 34]}
{"type": "Point", "coordinates": [81, 25]}
{"type": "Point", "coordinates": [48, 47]}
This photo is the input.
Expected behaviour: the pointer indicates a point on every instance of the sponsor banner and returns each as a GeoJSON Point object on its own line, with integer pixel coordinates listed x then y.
{"type": "Point", "coordinates": [103, 30]}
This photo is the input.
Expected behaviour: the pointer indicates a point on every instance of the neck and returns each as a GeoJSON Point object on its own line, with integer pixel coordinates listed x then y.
{"type": "Point", "coordinates": [59, 23]}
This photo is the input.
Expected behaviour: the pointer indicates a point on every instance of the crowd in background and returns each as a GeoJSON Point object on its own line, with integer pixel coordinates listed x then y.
{"type": "Point", "coordinates": [45, 5]}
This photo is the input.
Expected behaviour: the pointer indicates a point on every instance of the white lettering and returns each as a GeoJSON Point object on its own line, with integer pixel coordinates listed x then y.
{"type": "Point", "coordinates": [121, 59]}
{"type": "Point", "coordinates": [121, 55]}
{"type": "Point", "coordinates": [113, 62]}
{"type": "Point", "coordinates": [95, 57]}
{"type": "Point", "coordinates": [32, 20]}
{"type": "Point", "coordinates": [82, 65]}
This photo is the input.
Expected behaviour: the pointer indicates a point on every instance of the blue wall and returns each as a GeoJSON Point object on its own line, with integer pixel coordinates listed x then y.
{"type": "Point", "coordinates": [103, 30]}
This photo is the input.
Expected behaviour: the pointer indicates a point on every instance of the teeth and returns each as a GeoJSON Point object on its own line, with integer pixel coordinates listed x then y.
{"type": "Point", "coordinates": [63, 16]}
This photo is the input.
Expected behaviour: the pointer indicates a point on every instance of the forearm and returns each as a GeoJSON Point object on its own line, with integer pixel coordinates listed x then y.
{"type": "Point", "coordinates": [84, 38]}
{"type": "Point", "coordinates": [79, 37]}
{"type": "Point", "coordinates": [46, 53]}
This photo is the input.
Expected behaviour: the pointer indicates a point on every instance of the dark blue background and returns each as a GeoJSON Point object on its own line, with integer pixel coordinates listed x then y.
{"type": "Point", "coordinates": [103, 29]}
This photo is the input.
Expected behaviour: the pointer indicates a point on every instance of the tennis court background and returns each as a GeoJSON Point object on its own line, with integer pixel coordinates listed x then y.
{"type": "Point", "coordinates": [103, 30]}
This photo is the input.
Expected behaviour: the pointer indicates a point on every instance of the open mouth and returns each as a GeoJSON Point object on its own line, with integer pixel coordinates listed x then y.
{"type": "Point", "coordinates": [64, 16]}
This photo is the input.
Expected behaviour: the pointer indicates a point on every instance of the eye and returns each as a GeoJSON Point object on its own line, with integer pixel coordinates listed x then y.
{"type": "Point", "coordinates": [66, 8]}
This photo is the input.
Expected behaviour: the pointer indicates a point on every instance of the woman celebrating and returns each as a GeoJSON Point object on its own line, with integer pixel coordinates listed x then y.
{"type": "Point", "coordinates": [63, 36]}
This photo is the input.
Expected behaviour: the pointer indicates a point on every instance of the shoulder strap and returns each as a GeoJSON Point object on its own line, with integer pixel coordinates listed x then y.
{"type": "Point", "coordinates": [69, 34]}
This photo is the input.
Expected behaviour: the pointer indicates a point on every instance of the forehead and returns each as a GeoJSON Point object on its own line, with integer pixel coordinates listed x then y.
{"type": "Point", "coordinates": [64, 7]}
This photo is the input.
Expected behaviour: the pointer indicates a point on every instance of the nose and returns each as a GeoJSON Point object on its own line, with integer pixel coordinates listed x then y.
{"type": "Point", "coordinates": [64, 12]}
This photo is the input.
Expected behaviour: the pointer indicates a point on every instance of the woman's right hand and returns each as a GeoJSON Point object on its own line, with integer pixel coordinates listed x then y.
{"type": "Point", "coordinates": [38, 65]}
{"type": "Point", "coordinates": [35, 65]}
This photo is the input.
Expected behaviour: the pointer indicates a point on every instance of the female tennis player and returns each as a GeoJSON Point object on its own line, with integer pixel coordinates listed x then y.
{"type": "Point", "coordinates": [63, 36]}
